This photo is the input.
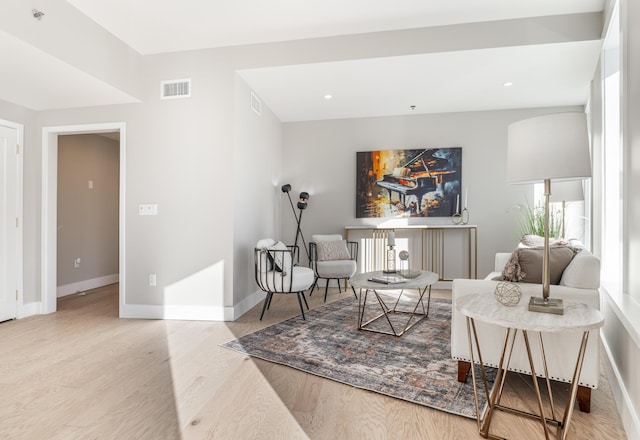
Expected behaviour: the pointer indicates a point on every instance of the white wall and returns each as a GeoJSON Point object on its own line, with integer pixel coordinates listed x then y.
{"type": "Point", "coordinates": [254, 191]}
{"type": "Point", "coordinates": [320, 157]}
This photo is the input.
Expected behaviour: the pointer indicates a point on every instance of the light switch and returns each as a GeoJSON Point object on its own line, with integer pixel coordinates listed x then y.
{"type": "Point", "coordinates": [90, 184]}
{"type": "Point", "coordinates": [148, 209]}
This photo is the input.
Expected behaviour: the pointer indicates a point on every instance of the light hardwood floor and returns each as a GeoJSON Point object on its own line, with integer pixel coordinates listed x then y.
{"type": "Point", "coordinates": [82, 373]}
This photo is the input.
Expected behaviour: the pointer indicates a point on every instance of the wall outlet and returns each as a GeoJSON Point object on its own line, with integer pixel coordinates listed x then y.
{"type": "Point", "coordinates": [76, 263]}
{"type": "Point", "coordinates": [152, 279]}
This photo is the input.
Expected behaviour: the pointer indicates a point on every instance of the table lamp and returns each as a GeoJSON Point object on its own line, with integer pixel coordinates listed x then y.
{"type": "Point", "coordinates": [543, 149]}
{"type": "Point", "coordinates": [565, 192]}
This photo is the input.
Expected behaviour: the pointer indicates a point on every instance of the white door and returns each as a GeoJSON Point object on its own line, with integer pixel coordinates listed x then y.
{"type": "Point", "coordinates": [8, 222]}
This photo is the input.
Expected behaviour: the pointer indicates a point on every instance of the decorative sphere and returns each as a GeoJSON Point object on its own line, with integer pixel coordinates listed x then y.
{"type": "Point", "coordinates": [404, 255]}
{"type": "Point", "coordinates": [508, 293]}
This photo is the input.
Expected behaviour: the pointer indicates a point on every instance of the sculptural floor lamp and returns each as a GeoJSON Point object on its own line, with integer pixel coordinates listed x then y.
{"type": "Point", "coordinates": [543, 149]}
{"type": "Point", "coordinates": [302, 205]}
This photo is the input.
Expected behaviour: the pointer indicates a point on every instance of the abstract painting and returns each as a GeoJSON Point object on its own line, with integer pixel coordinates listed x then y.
{"type": "Point", "coordinates": [409, 183]}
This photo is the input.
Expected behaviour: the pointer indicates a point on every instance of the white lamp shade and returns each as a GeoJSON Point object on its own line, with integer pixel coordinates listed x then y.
{"type": "Point", "coordinates": [569, 191]}
{"type": "Point", "coordinates": [554, 147]}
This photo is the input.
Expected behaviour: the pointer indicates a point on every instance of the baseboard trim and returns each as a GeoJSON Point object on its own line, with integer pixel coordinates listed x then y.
{"type": "Point", "coordinates": [81, 286]}
{"type": "Point", "coordinates": [177, 312]}
{"type": "Point", "coordinates": [627, 412]}
{"type": "Point", "coordinates": [233, 313]}
{"type": "Point", "coordinates": [28, 309]}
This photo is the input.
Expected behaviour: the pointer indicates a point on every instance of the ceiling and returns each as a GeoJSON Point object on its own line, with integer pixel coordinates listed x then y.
{"type": "Point", "coordinates": [466, 80]}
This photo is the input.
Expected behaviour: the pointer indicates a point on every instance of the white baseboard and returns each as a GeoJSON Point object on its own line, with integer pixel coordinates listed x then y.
{"type": "Point", "coordinates": [81, 286]}
{"type": "Point", "coordinates": [625, 406]}
{"type": "Point", "coordinates": [28, 309]}
{"type": "Point", "coordinates": [191, 313]}
{"type": "Point", "coordinates": [233, 313]}
{"type": "Point", "coordinates": [178, 312]}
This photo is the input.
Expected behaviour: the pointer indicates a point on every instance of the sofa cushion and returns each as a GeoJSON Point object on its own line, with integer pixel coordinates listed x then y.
{"type": "Point", "coordinates": [332, 250]}
{"type": "Point", "coordinates": [583, 272]}
{"type": "Point", "coordinates": [525, 264]}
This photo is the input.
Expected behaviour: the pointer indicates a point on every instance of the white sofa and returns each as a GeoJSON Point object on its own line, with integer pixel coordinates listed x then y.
{"type": "Point", "coordinates": [579, 283]}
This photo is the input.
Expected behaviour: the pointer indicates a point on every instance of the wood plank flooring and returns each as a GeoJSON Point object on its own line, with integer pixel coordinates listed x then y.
{"type": "Point", "coordinates": [83, 373]}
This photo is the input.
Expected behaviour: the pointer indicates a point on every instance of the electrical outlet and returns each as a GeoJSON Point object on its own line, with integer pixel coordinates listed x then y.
{"type": "Point", "coordinates": [76, 263]}
{"type": "Point", "coordinates": [152, 279]}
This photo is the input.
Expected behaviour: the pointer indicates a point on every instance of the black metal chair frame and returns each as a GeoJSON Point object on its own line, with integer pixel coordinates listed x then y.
{"type": "Point", "coordinates": [352, 246]}
{"type": "Point", "coordinates": [277, 278]}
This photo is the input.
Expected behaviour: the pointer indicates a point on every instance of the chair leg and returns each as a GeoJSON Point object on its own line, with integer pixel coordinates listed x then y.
{"type": "Point", "coordinates": [305, 300]}
{"type": "Point", "coordinates": [300, 302]}
{"type": "Point", "coordinates": [313, 286]}
{"type": "Point", "coordinates": [339, 287]}
{"type": "Point", "coordinates": [354, 292]}
{"type": "Point", "coordinates": [326, 289]}
{"type": "Point", "coordinates": [267, 300]}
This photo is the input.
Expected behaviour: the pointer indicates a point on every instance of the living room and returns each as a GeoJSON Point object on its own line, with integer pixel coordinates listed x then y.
{"type": "Point", "coordinates": [198, 156]}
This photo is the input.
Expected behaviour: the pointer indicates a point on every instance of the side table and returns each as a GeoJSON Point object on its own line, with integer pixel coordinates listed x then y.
{"type": "Point", "coordinates": [577, 317]}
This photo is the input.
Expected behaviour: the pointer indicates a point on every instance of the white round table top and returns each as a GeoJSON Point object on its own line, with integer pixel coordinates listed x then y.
{"type": "Point", "coordinates": [486, 308]}
{"type": "Point", "coordinates": [363, 280]}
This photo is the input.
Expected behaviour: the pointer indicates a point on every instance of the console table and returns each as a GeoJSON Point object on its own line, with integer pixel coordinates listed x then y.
{"type": "Point", "coordinates": [577, 317]}
{"type": "Point", "coordinates": [451, 251]}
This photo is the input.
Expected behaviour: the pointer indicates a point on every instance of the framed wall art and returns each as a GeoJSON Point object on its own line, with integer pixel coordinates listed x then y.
{"type": "Point", "coordinates": [409, 183]}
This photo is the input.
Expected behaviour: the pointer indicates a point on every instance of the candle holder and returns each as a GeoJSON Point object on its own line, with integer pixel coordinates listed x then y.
{"type": "Point", "coordinates": [391, 260]}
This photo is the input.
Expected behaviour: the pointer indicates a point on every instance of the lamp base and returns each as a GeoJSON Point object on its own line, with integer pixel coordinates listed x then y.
{"type": "Point", "coordinates": [548, 305]}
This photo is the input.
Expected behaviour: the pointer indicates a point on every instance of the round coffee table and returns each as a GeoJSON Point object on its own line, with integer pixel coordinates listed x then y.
{"type": "Point", "coordinates": [379, 281]}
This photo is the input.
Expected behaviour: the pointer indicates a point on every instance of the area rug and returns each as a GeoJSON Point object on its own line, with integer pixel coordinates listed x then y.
{"type": "Point", "coordinates": [416, 367]}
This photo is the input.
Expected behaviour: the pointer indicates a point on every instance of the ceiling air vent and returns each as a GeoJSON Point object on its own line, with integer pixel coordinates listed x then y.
{"type": "Point", "coordinates": [178, 88]}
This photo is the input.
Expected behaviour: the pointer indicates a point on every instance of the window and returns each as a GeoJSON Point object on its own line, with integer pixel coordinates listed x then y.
{"type": "Point", "coordinates": [612, 226]}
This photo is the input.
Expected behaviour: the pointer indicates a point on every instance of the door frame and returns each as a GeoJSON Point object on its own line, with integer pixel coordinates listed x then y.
{"type": "Point", "coordinates": [19, 128]}
{"type": "Point", "coordinates": [49, 217]}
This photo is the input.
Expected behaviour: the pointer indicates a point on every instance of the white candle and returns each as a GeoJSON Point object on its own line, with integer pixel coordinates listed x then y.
{"type": "Point", "coordinates": [392, 238]}
{"type": "Point", "coordinates": [458, 203]}
{"type": "Point", "coordinates": [466, 197]}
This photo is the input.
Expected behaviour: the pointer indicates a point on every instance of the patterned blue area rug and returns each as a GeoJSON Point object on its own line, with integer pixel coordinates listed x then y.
{"type": "Point", "coordinates": [416, 367]}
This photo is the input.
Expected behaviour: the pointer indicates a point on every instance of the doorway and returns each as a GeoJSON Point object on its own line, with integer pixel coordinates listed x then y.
{"type": "Point", "coordinates": [49, 207]}
{"type": "Point", "coordinates": [11, 164]}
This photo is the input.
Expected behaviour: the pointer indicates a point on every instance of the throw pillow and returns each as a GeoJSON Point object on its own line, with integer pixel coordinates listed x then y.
{"type": "Point", "coordinates": [332, 250]}
{"type": "Point", "coordinates": [525, 264]}
{"type": "Point", "coordinates": [280, 254]}
{"type": "Point", "coordinates": [530, 240]}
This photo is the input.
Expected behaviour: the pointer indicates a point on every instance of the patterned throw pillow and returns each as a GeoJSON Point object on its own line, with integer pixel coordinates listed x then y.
{"type": "Point", "coordinates": [530, 240]}
{"type": "Point", "coordinates": [332, 250]}
{"type": "Point", "coordinates": [281, 257]}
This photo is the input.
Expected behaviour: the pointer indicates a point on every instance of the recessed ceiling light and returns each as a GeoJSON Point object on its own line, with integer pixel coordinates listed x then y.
{"type": "Point", "coordinates": [508, 84]}
{"type": "Point", "coordinates": [328, 97]}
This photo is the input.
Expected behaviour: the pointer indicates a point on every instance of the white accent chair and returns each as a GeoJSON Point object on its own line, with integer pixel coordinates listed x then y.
{"type": "Point", "coordinates": [276, 271]}
{"type": "Point", "coordinates": [333, 258]}
{"type": "Point", "coordinates": [579, 283]}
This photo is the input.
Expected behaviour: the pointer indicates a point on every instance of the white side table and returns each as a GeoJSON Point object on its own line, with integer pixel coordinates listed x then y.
{"type": "Point", "coordinates": [577, 317]}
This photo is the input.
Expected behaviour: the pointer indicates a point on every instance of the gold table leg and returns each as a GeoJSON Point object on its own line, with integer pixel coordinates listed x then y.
{"type": "Point", "coordinates": [484, 418]}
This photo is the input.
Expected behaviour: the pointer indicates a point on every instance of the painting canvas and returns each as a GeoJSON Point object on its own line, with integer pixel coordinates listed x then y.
{"type": "Point", "coordinates": [409, 183]}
